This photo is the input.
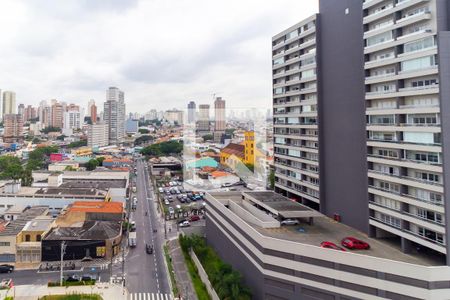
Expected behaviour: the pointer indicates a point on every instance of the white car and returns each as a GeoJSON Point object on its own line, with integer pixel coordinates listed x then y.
{"type": "Point", "coordinates": [166, 202]}
{"type": "Point", "coordinates": [171, 210]}
{"type": "Point", "coordinates": [184, 224]}
{"type": "Point", "coordinates": [161, 190]}
{"type": "Point", "coordinates": [289, 222]}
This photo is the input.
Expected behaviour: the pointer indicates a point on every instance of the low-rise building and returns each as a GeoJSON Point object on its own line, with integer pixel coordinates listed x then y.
{"type": "Point", "coordinates": [90, 239]}
{"type": "Point", "coordinates": [8, 236]}
{"type": "Point", "coordinates": [287, 262]}
{"type": "Point", "coordinates": [81, 211]}
{"type": "Point", "coordinates": [63, 166]}
{"type": "Point", "coordinates": [28, 241]}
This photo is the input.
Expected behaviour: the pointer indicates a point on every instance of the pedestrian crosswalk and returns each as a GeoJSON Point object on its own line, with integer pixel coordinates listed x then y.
{"type": "Point", "coordinates": [149, 296]}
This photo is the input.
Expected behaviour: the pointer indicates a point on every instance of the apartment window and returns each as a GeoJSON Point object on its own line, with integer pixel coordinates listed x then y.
{"type": "Point", "coordinates": [416, 28]}
{"type": "Point", "coordinates": [429, 215]}
{"type": "Point", "coordinates": [423, 82]}
{"type": "Point", "coordinates": [292, 34]}
{"type": "Point", "coordinates": [384, 88]}
{"type": "Point", "coordinates": [293, 152]}
{"type": "Point", "coordinates": [419, 137]}
{"type": "Point", "coordinates": [384, 104]}
{"type": "Point", "coordinates": [278, 61]}
{"type": "Point", "coordinates": [431, 235]}
{"type": "Point", "coordinates": [279, 91]}
{"type": "Point", "coordinates": [280, 140]}
{"type": "Point", "coordinates": [5, 244]}
{"type": "Point", "coordinates": [384, 71]}
{"type": "Point", "coordinates": [419, 45]}
{"type": "Point", "coordinates": [387, 219]}
{"type": "Point", "coordinates": [380, 8]}
{"type": "Point", "coordinates": [427, 176]}
{"type": "Point", "coordinates": [382, 136]}
{"type": "Point", "coordinates": [387, 169]}
{"type": "Point", "coordinates": [416, 11]}
{"type": "Point", "coordinates": [309, 73]}
{"type": "Point", "coordinates": [382, 55]}
{"type": "Point", "coordinates": [382, 119]}
{"type": "Point", "coordinates": [386, 202]}
{"type": "Point", "coordinates": [423, 119]}
{"type": "Point", "coordinates": [387, 153]}
{"type": "Point", "coordinates": [427, 157]}
{"type": "Point", "coordinates": [308, 61]}
{"type": "Point", "coordinates": [418, 63]}
{"type": "Point", "coordinates": [421, 101]}
{"type": "Point", "coordinates": [380, 38]}
{"type": "Point", "coordinates": [428, 196]}
{"type": "Point", "coordinates": [381, 24]}
{"type": "Point", "coordinates": [388, 186]}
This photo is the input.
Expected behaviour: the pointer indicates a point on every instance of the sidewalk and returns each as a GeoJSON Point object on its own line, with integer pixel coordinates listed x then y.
{"type": "Point", "coordinates": [33, 292]}
{"type": "Point", "coordinates": [181, 273]}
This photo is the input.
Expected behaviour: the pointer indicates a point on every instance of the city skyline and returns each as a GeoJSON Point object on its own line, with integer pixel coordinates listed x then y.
{"type": "Point", "coordinates": [210, 55]}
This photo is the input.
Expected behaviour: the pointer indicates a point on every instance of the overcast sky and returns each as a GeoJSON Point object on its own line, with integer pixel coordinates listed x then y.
{"type": "Point", "coordinates": [161, 53]}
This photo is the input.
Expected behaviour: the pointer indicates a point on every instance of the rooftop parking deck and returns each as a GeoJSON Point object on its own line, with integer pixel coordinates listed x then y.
{"type": "Point", "coordinates": [326, 229]}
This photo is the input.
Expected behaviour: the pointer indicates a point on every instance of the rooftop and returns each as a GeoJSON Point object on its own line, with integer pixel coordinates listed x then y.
{"type": "Point", "coordinates": [234, 149]}
{"type": "Point", "coordinates": [96, 206]}
{"type": "Point", "coordinates": [280, 206]}
{"type": "Point", "coordinates": [88, 230]}
{"type": "Point", "coordinates": [101, 184]}
{"type": "Point", "coordinates": [322, 229]}
{"type": "Point", "coordinates": [14, 227]}
{"type": "Point", "coordinates": [38, 224]}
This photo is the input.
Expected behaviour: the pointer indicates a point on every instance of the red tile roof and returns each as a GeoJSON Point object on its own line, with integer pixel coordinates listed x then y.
{"type": "Point", "coordinates": [96, 206]}
{"type": "Point", "coordinates": [234, 149]}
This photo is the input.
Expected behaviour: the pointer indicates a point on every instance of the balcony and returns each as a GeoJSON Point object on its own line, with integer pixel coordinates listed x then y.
{"type": "Point", "coordinates": [425, 14]}
{"type": "Point", "coordinates": [415, 88]}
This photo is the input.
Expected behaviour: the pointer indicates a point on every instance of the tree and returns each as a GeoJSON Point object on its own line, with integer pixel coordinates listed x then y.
{"type": "Point", "coordinates": [164, 148]}
{"type": "Point", "coordinates": [272, 179]}
{"type": "Point", "coordinates": [61, 137]}
{"type": "Point", "coordinates": [143, 131]}
{"type": "Point", "coordinates": [230, 131]}
{"type": "Point", "coordinates": [69, 168]}
{"type": "Point", "coordinates": [207, 137]}
{"type": "Point", "coordinates": [36, 140]}
{"type": "Point", "coordinates": [50, 129]}
{"type": "Point", "coordinates": [92, 164]}
{"type": "Point", "coordinates": [100, 160]}
{"type": "Point", "coordinates": [143, 139]}
{"type": "Point", "coordinates": [77, 144]}
{"type": "Point", "coordinates": [27, 177]}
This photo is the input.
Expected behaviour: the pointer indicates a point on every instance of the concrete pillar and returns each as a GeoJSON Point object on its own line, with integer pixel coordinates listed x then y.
{"type": "Point", "coordinates": [406, 245]}
{"type": "Point", "coordinates": [372, 231]}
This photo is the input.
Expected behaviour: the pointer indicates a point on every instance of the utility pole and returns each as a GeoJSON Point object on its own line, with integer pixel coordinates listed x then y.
{"type": "Point", "coordinates": [63, 250]}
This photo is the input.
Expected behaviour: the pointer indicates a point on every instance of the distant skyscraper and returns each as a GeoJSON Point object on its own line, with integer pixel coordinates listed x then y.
{"type": "Point", "coordinates": [13, 128]}
{"type": "Point", "coordinates": [93, 113]}
{"type": "Point", "coordinates": [219, 119]}
{"type": "Point", "coordinates": [9, 102]}
{"type": "Point", "coordinates": [203, 118]}
{"type": "Point", "coordinates": [29, 113]}
{"type": "Point", "coordinates": [114, 114]}
{"type": "Point", "coordinates": [57, 114]}
{"type": "Point", "coordinates": [21, 109]}
{"type": "Point", "coordinates": [191, 112]}
{"type": "Point", "coordinates": [72, 121]}
{"type": "Point", "coordinates": [174, 116]}
{"type": "Point", "coordinates": [90, 104]}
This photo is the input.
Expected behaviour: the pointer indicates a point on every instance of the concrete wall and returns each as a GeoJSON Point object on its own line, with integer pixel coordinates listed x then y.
{"type": "Point", "coordinates": [204, 277]}
{"type": "Point", "coordinates": [342, 123]}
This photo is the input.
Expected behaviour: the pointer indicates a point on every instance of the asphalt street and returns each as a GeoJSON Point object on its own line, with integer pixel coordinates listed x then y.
{"type": "Point", "coordinates": [146, 273]}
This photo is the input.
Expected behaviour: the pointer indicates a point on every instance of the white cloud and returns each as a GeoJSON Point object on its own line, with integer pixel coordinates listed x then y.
{"type": "Point", "coordinates": [162, 53]}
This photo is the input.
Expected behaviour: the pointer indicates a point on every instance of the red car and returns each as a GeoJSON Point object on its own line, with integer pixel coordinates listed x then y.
{"type": "Point", "coordinates": [331, 245]}
{"type": "Point", "coordinates": [354, 243]}
{"type": "Point", "coordinates": [194, 218]}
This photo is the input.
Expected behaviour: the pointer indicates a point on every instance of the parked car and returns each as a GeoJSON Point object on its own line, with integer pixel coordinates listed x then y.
{"type": "Point", "coordinates": [6, 268]}
{"type": "Point", "coordinates": [166, 202]}
{"type": "Point", "coordinates": [331, 245]}
{"type": "Point", "coordinates": [73, 278]}
{"type": "Point", "coordinates": [171, 210]}
{"type": "Point", "coordinates": [88, 277]}
{"type": "Point", "coordinates": [289, 222]}
{"type": "Point", "coordinates": [184, 224]}
{"type": "Point", "coordinates": [354, 243]}
{"type": "Point", "coordinates": [161, 190]}
{"type": "Point", "coordinates": [194, 218]}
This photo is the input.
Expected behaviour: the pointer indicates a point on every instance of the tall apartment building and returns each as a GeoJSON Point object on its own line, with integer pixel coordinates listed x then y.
{"type": "Point", "coordinates": [407, 65]}
{"type": "Point", "coordinates": [191, 112]}
{"type": "Point", "coordinates": [29, 113]}
{"type": "Point", "coordinates": [72, 121]}
{"type": "Point", "coordinates": [315, 163]}
{"type": "Point", "coordinates": [203, 118]}
{"type": "Point", "coordinates": [98, 135]}
{"type": "Point", "coordinates": [359, 121]}
{"type": "Point", "coordinates": [219, 119]}
{"type": "Point", "coordinates": [57, 114]}
{"type": "Point", "coordinates": [114, 114]}
{"type": "Point", "coordinates": [21, 109]}
{"type": "Point", "coordinates": [174, 116]}
{"type": "Point", "coordinates": [9, 102]}
{"type": "Point", "coordinates": [13, 128]}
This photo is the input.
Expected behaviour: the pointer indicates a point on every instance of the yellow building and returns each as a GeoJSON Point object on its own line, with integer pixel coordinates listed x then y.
{"type": "Point", "coordinates": [245, 152]}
